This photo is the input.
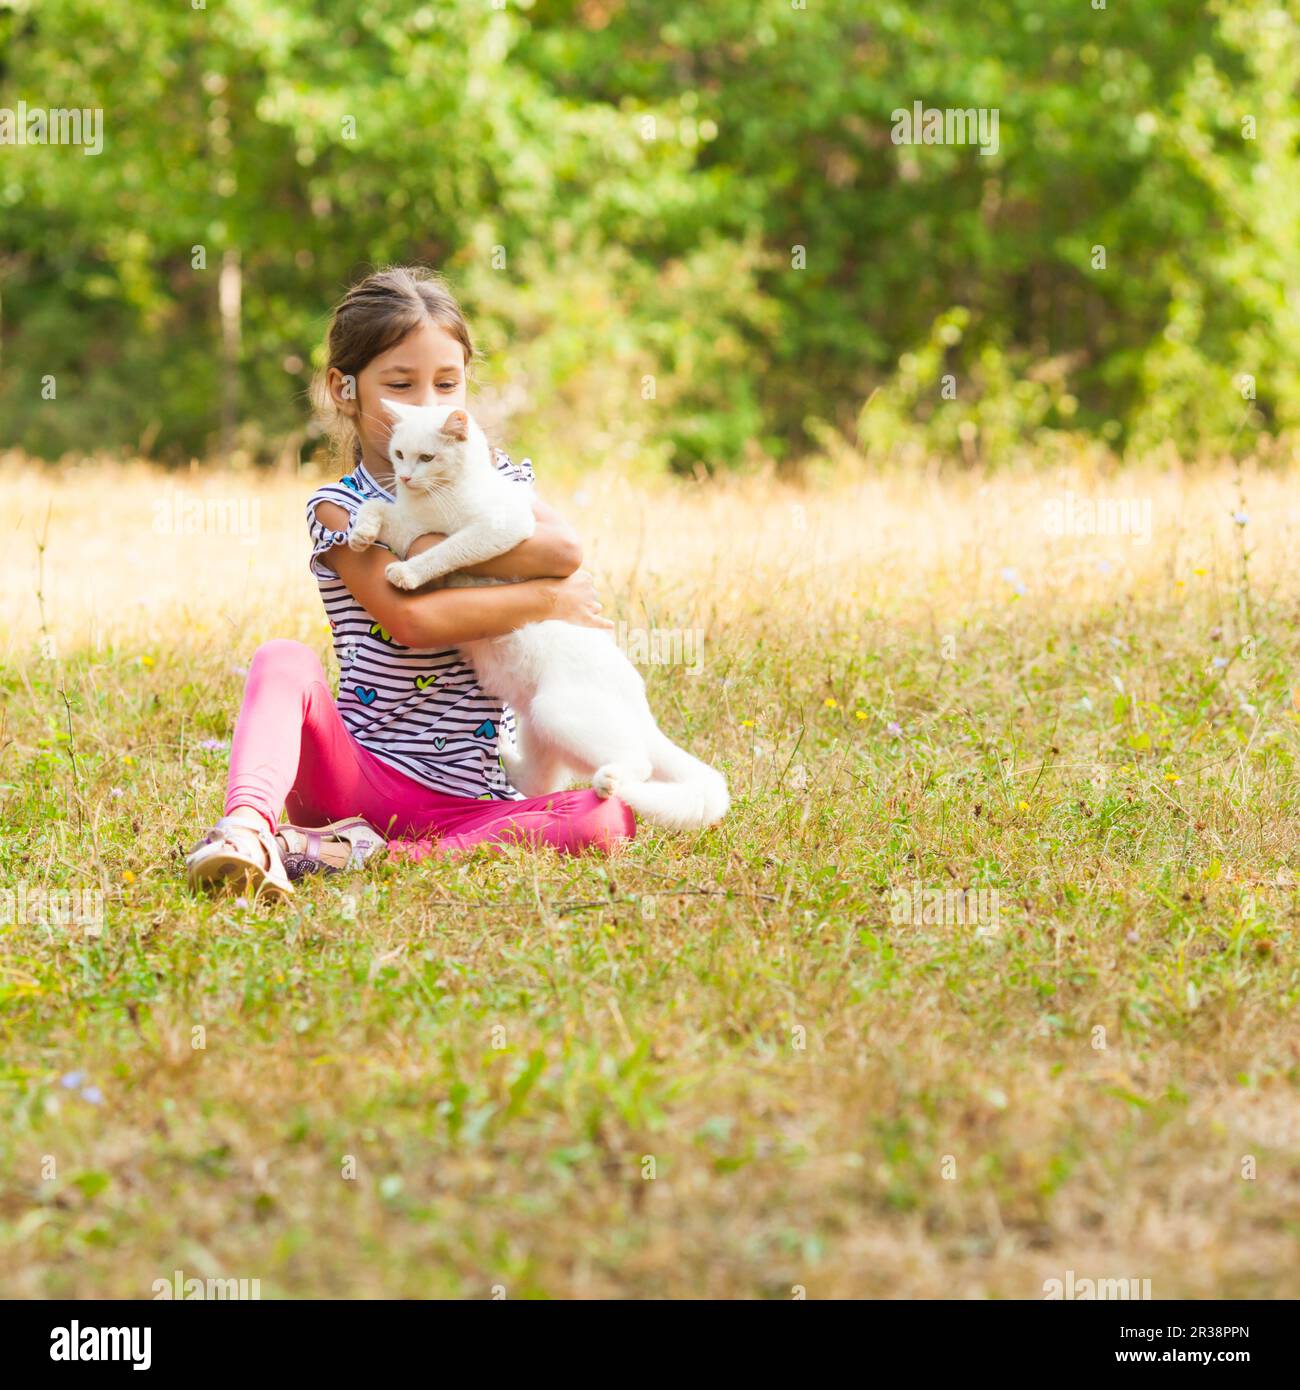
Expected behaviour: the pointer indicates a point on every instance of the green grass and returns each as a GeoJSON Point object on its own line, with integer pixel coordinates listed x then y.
{"type": "Point", "coordinates": [713, 1065]}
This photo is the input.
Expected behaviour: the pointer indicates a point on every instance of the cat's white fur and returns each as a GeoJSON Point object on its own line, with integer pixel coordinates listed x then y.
{"type": "Point", "coordinates": [580, 705]}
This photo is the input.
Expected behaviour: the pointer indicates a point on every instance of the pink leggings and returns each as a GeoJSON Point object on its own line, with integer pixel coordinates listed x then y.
{"type": "Point", "coordinates": [291, 749]}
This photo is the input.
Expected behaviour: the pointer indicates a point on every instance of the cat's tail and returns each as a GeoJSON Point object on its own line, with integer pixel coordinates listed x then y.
{"type": "Point", "coordinates": [690, 795]}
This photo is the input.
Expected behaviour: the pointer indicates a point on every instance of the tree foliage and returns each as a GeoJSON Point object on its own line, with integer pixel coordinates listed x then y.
{"type": "Point", "coordinates": [682, 232]}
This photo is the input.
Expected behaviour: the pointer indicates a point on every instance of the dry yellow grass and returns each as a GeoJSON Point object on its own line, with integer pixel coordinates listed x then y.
{"type": "Point", "coordinates": [440, 1079]}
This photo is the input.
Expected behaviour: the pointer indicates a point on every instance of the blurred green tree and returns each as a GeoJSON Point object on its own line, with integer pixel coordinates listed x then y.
{"type": "Point", "coordinates": [683, 233]}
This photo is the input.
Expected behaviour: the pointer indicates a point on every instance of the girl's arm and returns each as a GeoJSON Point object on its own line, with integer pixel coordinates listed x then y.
{"type": "Point", "coordinates": [552, 551]}
{"type": "Point", "coordinates": [447, 617]}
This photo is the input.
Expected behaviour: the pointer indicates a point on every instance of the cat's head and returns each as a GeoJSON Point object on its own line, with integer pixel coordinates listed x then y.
{"type": "Point", "coordinates": [430, 445]}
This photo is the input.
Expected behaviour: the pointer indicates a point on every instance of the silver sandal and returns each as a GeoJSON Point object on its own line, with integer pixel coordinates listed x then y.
{"type": "Point", "coordinates": [330, 849]}
{"type": "Point", "coordinates": [221, 860]}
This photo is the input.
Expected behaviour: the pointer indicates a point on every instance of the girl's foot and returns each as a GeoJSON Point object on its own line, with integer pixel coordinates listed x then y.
{"type": "Point", "coordinates": [235, 854]}
{"type": "Point", "coordinates": [346, 844]}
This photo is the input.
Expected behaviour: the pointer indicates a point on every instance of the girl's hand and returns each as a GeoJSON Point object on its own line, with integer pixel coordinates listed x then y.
{"type": "Point", "coordinates": [573, 600]}
{"type": "Point", "coordinates": [552, 551]}
{"type": "Point", "coordinates": [434, 619]}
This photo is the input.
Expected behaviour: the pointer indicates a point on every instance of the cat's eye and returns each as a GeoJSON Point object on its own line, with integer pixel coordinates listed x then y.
{"type": "Point", "coordinates": [426, 458]}
{"type": "Point", "coordinates": [397, 453]}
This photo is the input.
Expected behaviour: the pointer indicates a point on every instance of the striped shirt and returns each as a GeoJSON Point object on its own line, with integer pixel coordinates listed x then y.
{"type": "Point", "coordinates": [420, 711]}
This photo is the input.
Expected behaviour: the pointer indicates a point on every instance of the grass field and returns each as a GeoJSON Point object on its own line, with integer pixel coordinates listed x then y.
{"type": "Point", "coordinates": [719, 1064]}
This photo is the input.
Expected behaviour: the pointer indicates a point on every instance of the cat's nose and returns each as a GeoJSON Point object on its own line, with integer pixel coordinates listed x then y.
{"type": "Point", "coordinates": [403, 477]}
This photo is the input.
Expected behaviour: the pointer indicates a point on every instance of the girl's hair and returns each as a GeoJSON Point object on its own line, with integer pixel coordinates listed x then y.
{"type": "Point", "coordinates": [375, 315]}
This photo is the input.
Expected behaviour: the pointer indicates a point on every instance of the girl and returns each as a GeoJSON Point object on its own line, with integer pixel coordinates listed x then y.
{"type": "Point", "coordinates": [409, 748]}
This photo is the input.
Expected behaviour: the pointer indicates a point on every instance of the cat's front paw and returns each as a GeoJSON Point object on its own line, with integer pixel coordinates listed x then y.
{"type": "Point", "coordinates": [365, 529]}
{"type": "Point", "coordinates": [402, 576]}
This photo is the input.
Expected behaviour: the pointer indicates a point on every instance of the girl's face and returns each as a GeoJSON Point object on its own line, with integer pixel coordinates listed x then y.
{"type": "Point", "coordinates": [426, 368]}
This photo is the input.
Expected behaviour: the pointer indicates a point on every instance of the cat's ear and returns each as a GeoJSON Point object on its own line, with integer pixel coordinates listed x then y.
{"type": "Point", "coordinates": [399, 410]}
{"type": "Point", "coordinates": [456, 425]}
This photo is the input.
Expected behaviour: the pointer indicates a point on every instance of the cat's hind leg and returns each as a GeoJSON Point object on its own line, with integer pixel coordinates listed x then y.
{"type": "Point", "coordinates": [690, 795]}
{"type": "Point", "coordinates": [591, 735]}
{"type": "Point", "coordinates": [535, 766]}
{"type": "Point", "coordinates": [614, 779]}
{"type": "Point", "coordinates": [620, 748]}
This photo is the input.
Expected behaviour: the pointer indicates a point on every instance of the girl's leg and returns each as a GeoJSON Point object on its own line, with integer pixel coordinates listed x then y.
{"type": "Point", "coordinates": [290, 747]}
{"type": "Point", "coordinates": [568, 821]}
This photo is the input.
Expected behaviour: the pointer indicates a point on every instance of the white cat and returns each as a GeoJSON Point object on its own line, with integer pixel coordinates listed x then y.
{"type": "Point", "coordinates": [580, 705]}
